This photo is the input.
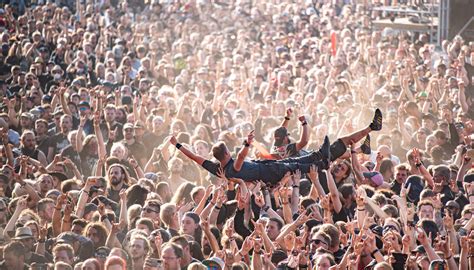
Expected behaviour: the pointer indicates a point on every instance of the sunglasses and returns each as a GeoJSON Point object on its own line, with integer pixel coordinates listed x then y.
{"type": "Point", "coordinates": [149, 210]}
{"type": "Point", "coordinates": [318, 242]}
{"type": "Point", "coordinates": [101, 255]}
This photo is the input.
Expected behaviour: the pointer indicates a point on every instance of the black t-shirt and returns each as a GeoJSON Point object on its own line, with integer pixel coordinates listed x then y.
{"type": "Point", "coordinates": [5, 69]}
{"type": "Point", "coordinates": [35, 257]}
{"type": "Point", "coordinates": [395, 187]}
{"type": "Point", "coordinates": [344, 214]}
{"type": "Point", "coordinates": [72, 154]}
{"type": "Point", "coordinates": [137, 150]}
{"type": "Point", "coordinates": [43, 145]}
{"type": "Point", "coordinates": [59, 142]}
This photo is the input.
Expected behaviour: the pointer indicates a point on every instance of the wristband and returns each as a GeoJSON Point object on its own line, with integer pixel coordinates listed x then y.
{"type": "Point", "coordinates": [449, 257]}
{"type": "Point", "coordinates": [304, 123]}
{"type": "Point", "coordinates": [265, 208]}
{"type": "Point", "coordinates": [418, 165]}
{"type": "Point", "coordinates": [178, 145]}
{"type": "Point", "coordinates": [287, 118]}
{"type": "Point", "coordinates": [360, 209]}
{"type": "Point", "coordinates": [217, 207]}
{"type": "Point", "coordinates": [295, 186]}
{"type": "Point", "coordinates": [353, 152]}
{"type": "Point", "coordinates": [102, 218]}
{"type": "Point", "coordinates": [246, 144]}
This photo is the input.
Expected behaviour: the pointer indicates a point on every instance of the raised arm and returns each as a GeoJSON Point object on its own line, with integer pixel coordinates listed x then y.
{"type": "Point", "coordinates": [244, 151]}
{"type": "Point", "coordinates": [196, 158]}
{"type": "Point", "coordinates": [304, 139]}
{"type": "Point", "coordinates": [333, 192]}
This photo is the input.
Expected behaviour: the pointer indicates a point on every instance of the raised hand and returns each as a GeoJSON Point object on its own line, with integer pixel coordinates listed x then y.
{"type": "Point", "coordinates": [22, 204]}
{"type": "Point", "coordinates": [113, 134]}
{"type": "Point", "coordinates": [123, 195]}
{"type": "Point", "coordinates": [173, 140]}
{"type": "Point", "coordinates": [302, 118]}
{"type": "Point", "coordinates": [250, 137]}
{"type": "Point", "coordinates": [423, 238]}
{"type": "Point", "coordinates": [259, 200]}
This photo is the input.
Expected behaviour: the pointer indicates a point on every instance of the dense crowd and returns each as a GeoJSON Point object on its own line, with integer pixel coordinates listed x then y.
{"type": "Point", "coordinates": [208, 134]}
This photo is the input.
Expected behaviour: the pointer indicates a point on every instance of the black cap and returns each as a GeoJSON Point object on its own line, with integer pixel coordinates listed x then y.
{"type": "Point", "coordinates": [279, 134]}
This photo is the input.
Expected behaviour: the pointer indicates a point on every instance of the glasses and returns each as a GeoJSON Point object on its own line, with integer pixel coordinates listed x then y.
{"type": "Point", "coordinates": [129, 130]}
{"type": "Point", "coordinates": [389, 228]}
{"type": "Point", "coordinates": [101, 255]}
{"type": "Point", "coordinates": [149, 210]}
{"type": "Point", "coordinates": [318, 242]}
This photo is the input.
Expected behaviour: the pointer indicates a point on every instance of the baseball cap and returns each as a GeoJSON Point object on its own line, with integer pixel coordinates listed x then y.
{"type": "Point", "coordinates": [375, 177]}
{"type": "Point", "coordinates": [214, 262]}
{"type": "Point", "coordinates": [281, 133]}
{"type": "Point", "coordinates": [84, 103]}
{"type": "Point", "coordinates": [128, 125]}
{"type": "Point", "coordinates": [468, 178]}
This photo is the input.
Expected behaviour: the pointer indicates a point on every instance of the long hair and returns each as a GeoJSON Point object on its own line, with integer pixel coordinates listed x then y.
{"type": "Point", "coordinates": [183, 193]}
{"type": "Point", "coordinates": [124, 171]}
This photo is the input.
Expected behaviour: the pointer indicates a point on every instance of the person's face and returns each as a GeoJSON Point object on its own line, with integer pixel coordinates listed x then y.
{"type": "Point", "coordinates": [29, 141]}
{"type": "Point", "coordinates": [199, 195]}
{"type": "Point", "coordinates": [339, 170]}
{"type": "Point", "coordinates": [439, 178]}
{"type": "Point", "coordinates": [83, 110]}
{"type": "Point", "coordinates": [93, 234]}
{"type": "Point", "coordinates": [427, 123]}
{"type": "Point", "coordinates": [322, 263]}
{"type": "Point", "coordinates": [77, 229]}
{"type": "Point", "coordinates": [12, 261]}
{"type": "Point", "coordinates": [41, 128]}
{"type": "Point", "coordinates": [46, 183]}
{"type": "Point", "coordinates": [61, 256]}
{"type": "Point", "coordinates": [202, 150]}
{"type": "Point", "coordinates": [426, 211]}
{"type": "Point", "coordinates": [128, 133]}
{"type": "Point", "coordinates": [318, 241]}
{"type": "Point", "coordinates": [272, 229]}
{"type": "Point", "coordinates": [28, 243]}
{"type": "Point", "coordinates": [170, 260]}
{"type": "Point", "coordinates": [188, 226]}
{"type": "Point", "coordinates": [137, 248]}
{"type": "Point", "coordinates": [25, 122]}
{"type": "Point", "coordinates": [110, 115]}
{"type": "Point", "coordinates": [430, 142]}
{"type": "Point", "coordinates": [48, 211]}
{"type": "Point", "coordinates": [150, 211]}
{"type": "Point", "coordinates": [114, 267]}
{"type": "Point", "coordinates": [116, 176]}
{"type": "Point", "coordinates": [66, 124]}
{"type": "Point", "coordinates": [401, 175]}
{"type": "Point", "coordinates": [421, 136]}
{"type": "Point", "coordinates": [118, 153]}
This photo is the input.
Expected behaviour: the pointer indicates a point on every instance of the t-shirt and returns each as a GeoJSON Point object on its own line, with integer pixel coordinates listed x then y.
{"type": "Point", "coordinates": [59, 142]}
{"type": "Point", "coordinates": [43, 145]}
{"type": "Point", "coordinates": [72, 154]}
